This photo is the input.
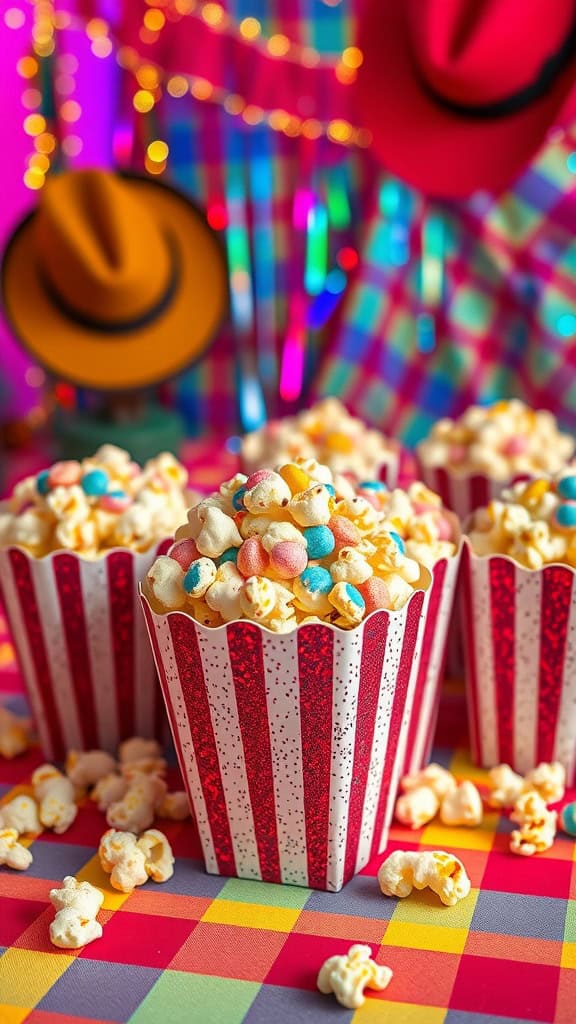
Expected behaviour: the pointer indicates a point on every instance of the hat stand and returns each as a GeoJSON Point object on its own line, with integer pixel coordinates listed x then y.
{"type": "Point", "coordinates": [129, 419]}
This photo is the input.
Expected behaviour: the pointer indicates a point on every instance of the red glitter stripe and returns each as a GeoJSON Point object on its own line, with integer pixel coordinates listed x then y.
{"type": "Point", "coordinates": [479, 492]}
{"type": "Point", "coordinates": [315, 671]}
{"type": "Point", "coordinates": [438, 577]}
{"type": "Point", "coordinates": [373, 650]}
{"type": "Point", "coordinates": [120, 568]}
{"type": "Point", "coordinates": [67, 577]}
{"type": "Point", "coordinates": [195, 696]}
{"type": "Point", "coordinates": [502, 577]}
{"type": "Point", "coordinates": [398, 708]}
{"type": "Point", "coordinates": [246, 661]}
{"type": "Point", "coordinates": [470, 675]}
{"type": "Point", "coordinates": [31, 620]}
{"type": "Point", "coordinates": [555, 610]}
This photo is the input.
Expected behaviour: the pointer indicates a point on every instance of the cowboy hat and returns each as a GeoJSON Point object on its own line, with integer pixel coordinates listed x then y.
{"type": "Point", "coordinates": [459, 94]}
{"type": "Point", "coordinates": [113, 281]}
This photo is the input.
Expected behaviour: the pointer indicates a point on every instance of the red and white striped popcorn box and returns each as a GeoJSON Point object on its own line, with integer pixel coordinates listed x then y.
{"type": "Point", "coordinates": [291, 745]}
{"type": "Point", "coordinates": [439, 607]}
{"type": "Point", "coordinates": [519, 630]}
{"type": "Point", "coordinates": [83, 649]}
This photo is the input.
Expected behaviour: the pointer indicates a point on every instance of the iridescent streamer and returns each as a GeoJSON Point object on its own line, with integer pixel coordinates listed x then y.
{"type": "Point", "coordinates": [261, 191]}
{"type": "Point", "coordinates": [431, 280]}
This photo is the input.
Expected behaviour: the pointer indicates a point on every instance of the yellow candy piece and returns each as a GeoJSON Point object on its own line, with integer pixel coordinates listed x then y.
{"type": "Point", "coordinates": [534, 491]}
{"type": "Point", "coordinates": [295, 477]}
{"type": "Point", "coordinates": [338, 442]}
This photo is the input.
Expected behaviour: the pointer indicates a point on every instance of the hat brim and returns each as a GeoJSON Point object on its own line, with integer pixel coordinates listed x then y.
{"type": "Point", "coordinates": [440, 152]}
{"type": "Point", "coordinates": [130, 359]}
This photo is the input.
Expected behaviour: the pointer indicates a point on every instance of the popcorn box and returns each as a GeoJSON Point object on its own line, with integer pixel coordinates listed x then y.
{"type": "Point", "coordinates": [291, 745]}
{"type": "Point", "coordinates": [431, 661]}
{"type": "Point", "coordinates": [82, 646]}
{"type": "Point", "coordinates": [519, 628]}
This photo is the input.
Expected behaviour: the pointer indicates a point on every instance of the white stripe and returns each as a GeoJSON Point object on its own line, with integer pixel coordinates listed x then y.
{"type": "Point", "coordinates": [390, 663]}
{"type": "Point", "coordinates": [56, 651]}
{"type": "Point", "coordinates": [280, 660]}
{"type": "Point", "coordinates": [565, 744]}
{"type": "Point", "coordinates": [145, 678]}
{"type": "Point", "coordinates": [345, 686]}
{"type": "Point", "coordinates": [527, 628]}
{"type": "Point", "coordinates": [433, 681]}
{"type": "Point", "coordinates": [96, 599]}
{"type": "Point", "coordinates": [19, 637]}
{"type": "Point", "coordinates": [183, 741]}
{"type": "Point", "coordinates": [226, 725]}
{"type": "Point", "coordinates": [483, 654]}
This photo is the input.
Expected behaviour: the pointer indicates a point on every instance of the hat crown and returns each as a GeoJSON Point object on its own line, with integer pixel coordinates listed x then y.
{"type": "Point", "coordinates": [98, 248]}
{"type": "Point", "coordinates": [483, 51]}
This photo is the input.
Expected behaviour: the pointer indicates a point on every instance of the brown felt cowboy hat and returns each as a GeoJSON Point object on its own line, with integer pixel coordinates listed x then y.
{"type": "Point", "coordinates": [114, 281]}
{"type": "Point", "coordinates": [459, 94]}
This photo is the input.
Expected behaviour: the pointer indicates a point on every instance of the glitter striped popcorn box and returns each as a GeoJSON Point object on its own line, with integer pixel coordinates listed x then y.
{"type": "Point", "coordinates": [82, 646]}
{"type": "Point", "coordinates": [519, 628]}
{"type": "Point", "coordinates": [291, 745]}
{"type": "Point", "coordinates": [463, 494]}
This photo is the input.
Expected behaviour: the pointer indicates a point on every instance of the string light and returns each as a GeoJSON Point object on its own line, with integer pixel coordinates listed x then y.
{"type": "Point", "coordinates": [157, 151]}
{"type": "Point", "coordinates": [143, 101]}
{"type": "Point", "coordinates": [34, 124]}
{"type": "Point", "coordinates": [14, 18]}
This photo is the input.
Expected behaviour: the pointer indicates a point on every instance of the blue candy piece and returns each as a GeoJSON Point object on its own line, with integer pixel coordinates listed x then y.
{"type": "Point", "coordinates": [192, 578]}
{"type": "Point", "coordinates": [566, 515]}
{"type": "Point", "coordinates": [238, 499]}
{"type": "Point", "coordinates": [317, 580]}
{"type": "Point", "coordinates": [230, 555]}
{"type": "Point", "coordinates": [319, 541]}
{"type": "Point", "coordinates": [355, 596]}
{"type": "Point", "coordinates": [568, 819]}
{"type": "Point", "coordinates": [42, 482]}
{"type": "Point", "coordinates": [567, 487]}
{"type": "Point", "coordinates": [398, 541]}
{"type": "Point", "coordinates": [331, 490]}
{"type": "Point", "coordinates": [373, 485]}
{"type": "Point", "coordinates": [95, 482]}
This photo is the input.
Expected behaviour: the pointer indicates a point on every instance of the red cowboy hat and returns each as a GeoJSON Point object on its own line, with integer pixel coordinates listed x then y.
{"type": "Point", "coordinates": [459, 94]}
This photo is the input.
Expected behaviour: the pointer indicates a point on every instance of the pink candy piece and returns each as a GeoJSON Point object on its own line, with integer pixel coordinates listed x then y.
{"type": "Point", "coordinates": [252, 558]}
{"type": "Point", "coordinates": [346, 534]}
{"type": "Point", "coordinates": [516, 446]}
{"type": "Point", "coordinates": [288, 559]}
{"type": "Point", "coordinates": [64, 474]}
{"type": "Point", "coordinates": [184, 552]}
{"type": "Point", "coordinates": [114, 502]}
{"type": "Point", "coordinates": [375, 594]}
{"type": "Point", "coordinates": [134, 469]}
{"type": "Point", "coordinates": [255, 478]}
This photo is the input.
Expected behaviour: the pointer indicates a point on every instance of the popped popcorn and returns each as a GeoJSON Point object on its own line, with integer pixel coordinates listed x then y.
{"type": "Point", "coordinates": [437, 778]}
{"type": "Point", "coordinates": [76, 905]}
{"type": "Point", "coordinates": [348, 975]}
{"type": "Point", "coordinates": [537, 825]}
{"type": "Point", "coordinates": [14, 731]}
{"type": "Point", "coordinates": [109, 790]}
{"type": "Point", "coordinates": [417, 807]}
{"type": "Point", "coordinates": [86, 768]}
{"type": "Point", "coordinates": [500, 441]}
{"type": "Point", "coordinates": [20, 813]}
{"type": "Point", "coordinates": [138, 749]}
{"type": "Point", "coordinates": [175, 806]}
{"type": "Point", "coordinates": [462, 806]}
{"type": "Point", "coordinates": [103, 502]}
{"type": "Point", "coordinates": [326, 432]}
{"type": "Point", "coordinates": [134, 812]}
{"type": "Point", "coordinates": [548, 780]}
{"type": "Point", "coordinates": [12, 853]}
{"type": "Point", "coordinates": [286, 544]}
{"type": "Point", "coordinates": [533, 522]}
{"type": "Point", "coordinates": [404, 870]}
{"type": "Point", "coordinates": [130, 860]}
{"type": "Point", "coordinates": [505, 786]}
{"type": "Point", "coordinates": [56, 796]}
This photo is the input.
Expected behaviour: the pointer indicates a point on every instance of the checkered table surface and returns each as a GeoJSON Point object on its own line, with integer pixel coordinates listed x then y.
{"type": "Point", "coordinates": [211, 950]}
